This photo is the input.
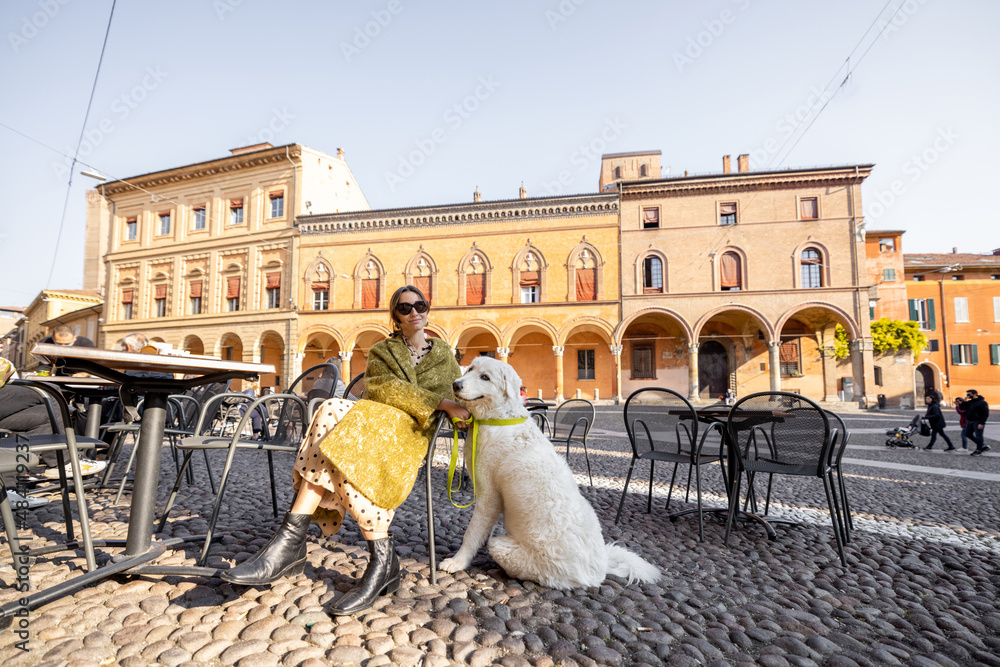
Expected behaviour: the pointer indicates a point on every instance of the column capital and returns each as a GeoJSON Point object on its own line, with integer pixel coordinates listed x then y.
{"type": "Point", "coordinates": [862, 345]}
{"type": "Point", "coordinates": [774, 344]}
{"type": "Point", "coordinates": [345, 355]}
{"type": "Point", "coordinates": [503, 351]}
{"type": "Point", "coordinates": [558, 350]}
{"type": "Point", "coordinates": [617, 350]}
{"type": "Point", "coordinates": [692, 348]}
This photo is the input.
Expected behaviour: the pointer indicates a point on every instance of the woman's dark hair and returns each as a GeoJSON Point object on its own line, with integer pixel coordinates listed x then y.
{"type": "Point", "coordinates": [394, 301]}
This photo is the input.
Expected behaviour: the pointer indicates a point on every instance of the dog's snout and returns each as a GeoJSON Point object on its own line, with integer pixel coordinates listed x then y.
{"type": "Point", "coordinates": [456, 386]}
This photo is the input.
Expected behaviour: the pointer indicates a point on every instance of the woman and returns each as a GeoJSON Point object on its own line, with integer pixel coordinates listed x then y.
{"type": "Point", "coordinates": [362, 459]}
{"type": "Point", "coordinates": [962, 421]}
{"type": "Point", "coordinates": [936, 421]}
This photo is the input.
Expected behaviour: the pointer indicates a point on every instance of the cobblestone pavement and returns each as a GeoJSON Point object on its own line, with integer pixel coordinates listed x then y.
{"type": "Point", "coordinates": [921, 589]}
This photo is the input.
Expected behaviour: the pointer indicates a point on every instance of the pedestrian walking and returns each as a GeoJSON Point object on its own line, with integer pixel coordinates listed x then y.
{"type": "Point", "coordinates": [977, 413]}
{"type": "Point", "coordinates": [960, 408]}
{"type": "Point", "coordinates": [935, 420]}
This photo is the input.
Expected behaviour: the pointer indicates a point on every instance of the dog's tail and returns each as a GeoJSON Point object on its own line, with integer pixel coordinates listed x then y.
{"type": "Point", "coordinates": [624, 563]}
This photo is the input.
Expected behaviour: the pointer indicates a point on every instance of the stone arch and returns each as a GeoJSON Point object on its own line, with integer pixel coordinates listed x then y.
{"type": "Point", "coordinates": [529, 258]}
{"type": "Point", "coordinates": [193, 344]}
{"type": "Point", "coordinates": [624, 324]}
{"type": "Point", "coordinates": [852, 327]}
{"type": "Point", "coordinates": [318, 330]}
{"type": "Point", "coordinates": [769, 330]}
{"type": "Point", "coordinates": [510, 333]}
{"type": "Point", "coordinates": [717, 267]}
{"type": "Point", "coordinates": [475, 261]}
{"type": "Point", "coordinates": [590, 324]}
{"type": "Point", "coordinates": [640, 284]}
{"type": "Point", "coordinates": [582, 256]}
{"type": "Point", "coordinates": [369, 268]}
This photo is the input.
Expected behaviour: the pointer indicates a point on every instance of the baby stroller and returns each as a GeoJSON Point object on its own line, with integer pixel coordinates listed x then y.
{"type": "Point", "coordinates": [899, 437]}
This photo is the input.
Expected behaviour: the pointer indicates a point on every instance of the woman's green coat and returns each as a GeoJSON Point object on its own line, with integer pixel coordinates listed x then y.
{"type": "Point", "coordinates": [380, 442]}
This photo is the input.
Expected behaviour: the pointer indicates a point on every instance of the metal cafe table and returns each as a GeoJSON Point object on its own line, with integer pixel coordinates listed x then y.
{"type": "Point", "coordinates": [719, 414]}
{"type": "Point", "coordinates": [139, 547]}
{"type": "Point", "coordinates": [84, 387]}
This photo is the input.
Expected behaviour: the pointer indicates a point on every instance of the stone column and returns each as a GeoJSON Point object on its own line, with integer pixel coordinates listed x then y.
{"type": "Point", "coordinates": [616, 391]}
{"type": "Point", "coordinates": [863, 369]}
{"type": "Point", "coordinates": [829, 374]}
{"type": "Point", "coordinates": [692, 371]}
{"type": "Point", "coordinates": [774, 363]}
{"type": "Point", "coordinates": [503, 353]}
{"type": "Point", "coordinates": [558, 351]}
{"type": "Point", "coordinates": [295, 367]}
{"type": "Point", "coordinates": [345, 359]}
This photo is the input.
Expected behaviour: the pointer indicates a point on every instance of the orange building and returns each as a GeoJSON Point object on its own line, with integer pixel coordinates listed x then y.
{"type": "Point", "coordinates": [956, 300]}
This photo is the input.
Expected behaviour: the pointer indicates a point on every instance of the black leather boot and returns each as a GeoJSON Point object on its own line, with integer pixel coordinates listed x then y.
{"type": "Point", "coordinates": [381, 577]}
{"type": "Point", "coordinates": [284, 555]}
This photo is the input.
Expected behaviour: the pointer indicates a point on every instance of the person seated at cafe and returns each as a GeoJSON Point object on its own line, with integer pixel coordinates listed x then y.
{"type": "Point", "coordinates": [361, 459]}
{"type": "Point", "coordinates": [63, 335]}
{"type": "Point", "coordinates": [324, 387]}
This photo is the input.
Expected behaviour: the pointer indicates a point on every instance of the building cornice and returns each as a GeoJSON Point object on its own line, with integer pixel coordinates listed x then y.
{"type": "Point", "coordinates": [476, 213]}
{"type": "Point", "coordinates": [745, 181]}
{"type": "Point", "coordinates": [191, 172]}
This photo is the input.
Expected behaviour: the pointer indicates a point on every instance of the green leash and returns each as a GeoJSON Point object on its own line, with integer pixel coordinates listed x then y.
{"type": "Point", "coordinates": [472, 455]}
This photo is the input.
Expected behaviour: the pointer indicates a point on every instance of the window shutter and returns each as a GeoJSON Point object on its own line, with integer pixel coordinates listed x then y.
{"type": "Point", "coordinates": [127, 295]}
{"type": "Point", "coordinates": [956, 356]}
{"type": "Point", "coordinates": [233, 287]}
{"type": "Point", "coordinates": [276, 195]}
{"type": "Point", "coordinates": [321, 285]}
{"type": "Point", "coordinates": [586, 284]}
{"type": "Point", "coordinates": [789, 352]}
{"type": "Point", "coordinates": [475, 289]}
{"type": "Point", "coordinates": [273, 280]}
{"type": "Point", "coordinates": [914, 316]}
{"type": "Point", "coordinates": [196, 288]}
{"type": "Point", "coordinates": [423, 283]}
{"type": "Point", "coordinates": [931, 324]}
{"type": "Point", "coordinates": [995, 354]}
{"type": "Point", "coordinates": [974, 349]}
{"type": "Point", "coordinates": [730, 270]}
{"type": "Point", "coordinates": [161, 291]}
{"type": "Point", "coordinates": [369, 293]}
{"type": "Point", "coordinates": [236, 203]}
{"type": "Point", "coordinates": [727, 209]}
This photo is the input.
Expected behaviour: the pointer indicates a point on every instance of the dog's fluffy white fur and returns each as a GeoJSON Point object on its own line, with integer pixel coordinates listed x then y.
{"type": "Point", "coordinates": [553, 535]}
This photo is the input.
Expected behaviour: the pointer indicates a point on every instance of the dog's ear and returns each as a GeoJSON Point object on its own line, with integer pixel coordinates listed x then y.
{"type": "Point", "coordinates": [512, 383]}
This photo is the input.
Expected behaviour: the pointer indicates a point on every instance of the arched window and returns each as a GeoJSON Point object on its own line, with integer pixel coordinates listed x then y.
{"type": "Point", "coordinates": [652, 275]}
{"type": "Point", "coordinates": [475, 282]}
{"type": "Point", "coordinates": [320, 285]}
{"type": "Point", "coordinates": [812, 268]}
{"type": "Point", "coordinates": [618, 172]}
{"type": "Point", "coordinates": [530, 278]}
{"type": "Point", "coordinates": [643, 171]}
{"type": "Point", "coordinates": [370, 279]}
{"type": "Point", "coordinates": [586, 276]}
{"type": "Point", "coordinates": [731, 272]}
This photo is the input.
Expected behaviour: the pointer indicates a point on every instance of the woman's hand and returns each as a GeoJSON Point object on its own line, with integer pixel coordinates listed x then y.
{"type": "Point", "coordinates": [455, 411]}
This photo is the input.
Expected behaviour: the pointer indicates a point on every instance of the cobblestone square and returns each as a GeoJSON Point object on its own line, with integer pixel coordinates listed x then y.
{"type": "Point", "coordinates": [921, 589]}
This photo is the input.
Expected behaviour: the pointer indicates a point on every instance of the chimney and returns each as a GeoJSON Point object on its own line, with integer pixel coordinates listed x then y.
{"type": "Point", "coordinates": [954, 250]}
{"type": "Point", "coordinates": [340, 153]}
{"type": "Point", "coordinates": [743, 163]}
{"type": "Point", "coordinates": [726, 168]}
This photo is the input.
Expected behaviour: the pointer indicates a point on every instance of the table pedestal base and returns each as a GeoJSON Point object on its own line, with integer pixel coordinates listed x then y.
{"type": "Point", "coordinates": [722, 515]}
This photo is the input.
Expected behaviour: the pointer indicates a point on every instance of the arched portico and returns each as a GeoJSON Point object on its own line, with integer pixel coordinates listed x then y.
{"type": "Point", "coordinates": [652, 350]}
{"type": "Point", "coordinates": [533, 353]}
{"type": "Point", "coordinates": [739, 355]}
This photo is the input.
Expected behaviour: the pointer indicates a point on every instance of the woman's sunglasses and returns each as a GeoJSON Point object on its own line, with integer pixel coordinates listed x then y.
{"type": "Point", "coordinates": [405, 308]}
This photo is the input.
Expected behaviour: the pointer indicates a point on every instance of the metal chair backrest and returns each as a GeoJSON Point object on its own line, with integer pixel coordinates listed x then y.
{"type": "Point", "coordinates": [573, 420]}
{"type": "Point", "coordinates": [324, 382]}
{"type": "Point", "coordinates": [356, 390]}
{"type": "Point", "coordinates": [658, 419]}
{"type": "Point", "coordinates": [843, 436]}
{"type": "Point", "coordinates": [780, 429]}
{"type": "Point", "coordinates": [215, 413]}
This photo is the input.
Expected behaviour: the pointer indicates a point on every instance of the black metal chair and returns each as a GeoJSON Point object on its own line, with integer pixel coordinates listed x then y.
{"type": "Point", "coordinates": [62, 439]}
{"type": "Point", "coordinates": [538, 409]}
{"type": "Point", "coordinates": [662, 425]}
{"type": "Point", "coordinates": [13, 461]}
{"type": "Point", "coordinates": [780, 433]}
{"type": "Point", "coordinates": [841, 438]}
{"type": "Point", "coordinates": [286, 437]}
{"type": "Point", "coordinates": [356, 389]}
{"type": "Point", "coordinates": [571, 423]}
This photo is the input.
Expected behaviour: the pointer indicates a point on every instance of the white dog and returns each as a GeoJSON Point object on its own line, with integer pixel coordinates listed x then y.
{"type": "Point", "coordinates": [553, 535]}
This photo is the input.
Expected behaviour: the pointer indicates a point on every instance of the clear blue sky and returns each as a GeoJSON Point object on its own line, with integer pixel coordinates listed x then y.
{"type": "Point", "coordinates": [539, 85]}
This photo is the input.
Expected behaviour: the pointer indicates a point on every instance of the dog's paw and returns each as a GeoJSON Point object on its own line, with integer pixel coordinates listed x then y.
{"type": "Point", "coordinates": [452, 565]}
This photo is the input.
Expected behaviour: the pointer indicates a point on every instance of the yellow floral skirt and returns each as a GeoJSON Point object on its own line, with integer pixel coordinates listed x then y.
{"type": "Point", "coordinates": [340, 498]}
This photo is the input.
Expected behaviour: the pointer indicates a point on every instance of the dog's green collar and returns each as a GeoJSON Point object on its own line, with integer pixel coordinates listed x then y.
{"type": "Point", "coordinates": [474, 434]}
